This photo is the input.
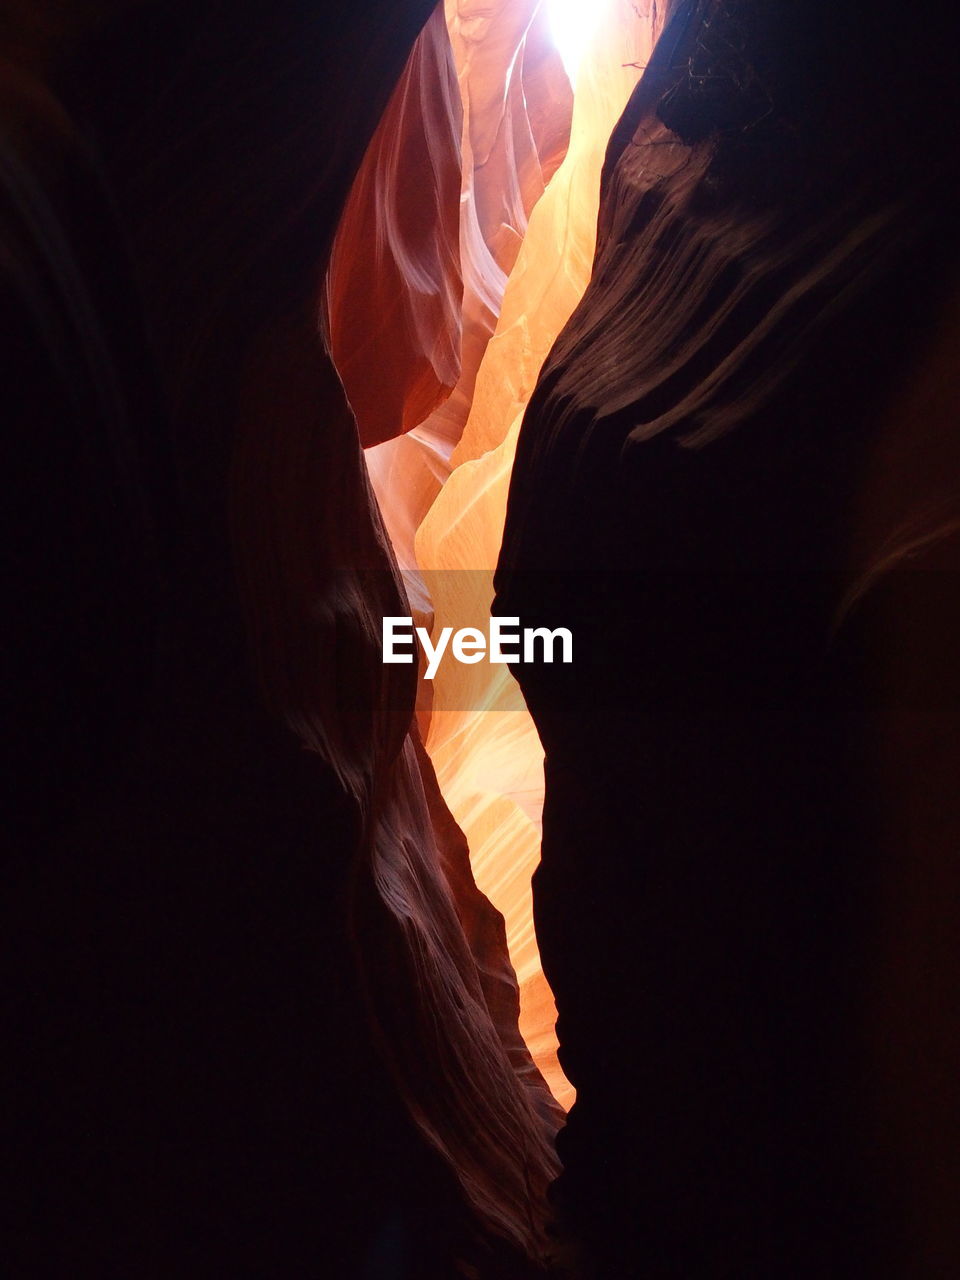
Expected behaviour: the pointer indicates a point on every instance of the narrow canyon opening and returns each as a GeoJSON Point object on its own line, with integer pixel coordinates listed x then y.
{"type": "Point", "coordinates": [312, 316]}
{"type": "Point", "coordinates": [465, 246]}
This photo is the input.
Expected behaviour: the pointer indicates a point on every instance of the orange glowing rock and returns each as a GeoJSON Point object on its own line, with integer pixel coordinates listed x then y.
{"type": "Point", "coordinates": [529, 198]}
{"type": "Point", "coordinates": [514, 90]}
{"type": "Point", "coordinates": [394, 287]}
{"type": "Point", "coordinates": [489, 762]}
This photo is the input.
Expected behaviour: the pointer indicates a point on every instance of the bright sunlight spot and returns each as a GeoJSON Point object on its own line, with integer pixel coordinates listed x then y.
{"type": "Point", "coordinates": [573, 23]}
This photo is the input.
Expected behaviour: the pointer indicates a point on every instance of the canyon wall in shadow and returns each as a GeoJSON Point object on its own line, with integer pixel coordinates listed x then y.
{"type": "Point", "coordinates": [262, 1022]}
{"type": "Point", "coordinates": [736, 482]}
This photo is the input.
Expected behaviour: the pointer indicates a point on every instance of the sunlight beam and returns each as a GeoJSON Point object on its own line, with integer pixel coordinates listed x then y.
{"type": "Point", "coordinates": [572, 24]}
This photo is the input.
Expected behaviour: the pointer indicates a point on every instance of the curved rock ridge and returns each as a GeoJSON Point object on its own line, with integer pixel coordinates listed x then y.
{"type": "Point", "coordinates": [517, 104]}
{"type": "Point", "coordinates": [430, 949]}
{"type": "Point", "coordinates": [515, 92]}
{"type": "Point", "coordinates": [735, 479]}
{"type": "Point", "coordinates": [394, 288]}
{"type": "Point", "coordinates": [455, 1049]}
{"type": "Point", "coordinates": [263, 1020]}
{"type": "Point", "coordinates": [485, 749]}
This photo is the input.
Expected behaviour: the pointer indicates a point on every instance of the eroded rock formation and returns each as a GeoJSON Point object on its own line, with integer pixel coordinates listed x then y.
{"type": "Point", "coordinates": [394, 290]}
{"type": "Point", "coordinates": [732, 760]}
{"type": "Point", "coordinates": [263, 1022]}
{"type": "Point", "coordinates": [526, 248]}
{"type": "Point", "coordinates": [264, 1017]}
{"type": "Point", "coordinates": [483, 744]}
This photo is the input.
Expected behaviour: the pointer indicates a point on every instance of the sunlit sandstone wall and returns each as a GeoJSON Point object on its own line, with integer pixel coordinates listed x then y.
{"type": "Point", "coordinates": [432, 949]}
{"type": "Point", "coordinates": [528, 208]}
{"type": "Point", "coordinates": [483, 744]}
{"type": "Point", "coordinates": [516, 118]}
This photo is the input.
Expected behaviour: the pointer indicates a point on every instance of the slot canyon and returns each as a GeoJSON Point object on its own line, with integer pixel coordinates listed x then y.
{"type": "Point", "coordinates": [636, 318]}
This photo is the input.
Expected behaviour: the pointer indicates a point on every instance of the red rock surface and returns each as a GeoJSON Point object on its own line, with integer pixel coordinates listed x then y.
{"type": "Point", "coordinates": [394, 288]}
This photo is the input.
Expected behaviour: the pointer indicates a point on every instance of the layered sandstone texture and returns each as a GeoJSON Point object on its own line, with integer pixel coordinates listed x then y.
{"type": "Point", "coordinates": [529, 159]}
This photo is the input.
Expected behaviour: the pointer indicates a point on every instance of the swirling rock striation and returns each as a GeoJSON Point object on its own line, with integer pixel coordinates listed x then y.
{"type": "Point", "coordinates": [260, 1019]}
{"type": "Point", "coordinates": [740, 866]}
